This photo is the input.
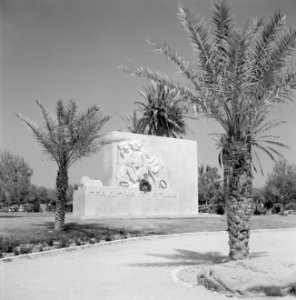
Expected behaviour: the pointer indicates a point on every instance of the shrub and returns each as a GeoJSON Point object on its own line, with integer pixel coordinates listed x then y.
{"type": "Point", "coordinates": [92, 241]}
{"type": "Point", "coordinates": [220, 209]}
{"type": "Point", "coordinates": [78, 241]}
{"type": "Point", "coordinates": [145, 186]}
{"type": "Point", "coordinates": [7, 245]}
{"type": "Point", "coordinates": [260, 209]}
{"type": "Point", "coordinates": [63, 242]}
{"type": "Point", "coordinates": [25, 249]}
{"type": "Point", "coordinates": [291, 205]}
{"type": "Point", "coordinates": [50, 242]}
{"type": "Point", "coordinates": [276, 208]}
{"type": "Point", "coordinates": [108, 237]}
{"type": "Point", "coordinates": [203, 209]}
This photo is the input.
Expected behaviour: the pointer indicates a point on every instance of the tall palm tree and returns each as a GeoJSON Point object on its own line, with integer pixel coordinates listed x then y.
{"type": "Point", "coordinates": [237, 72]}
{"type": "Point", "coordinates": [67, 138]}
{"type": "Point", "coordinates": [162, 114]}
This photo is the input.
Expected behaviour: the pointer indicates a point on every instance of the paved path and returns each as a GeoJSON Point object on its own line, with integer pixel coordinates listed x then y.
{"type": "Point", "coordinates": [141, 269]}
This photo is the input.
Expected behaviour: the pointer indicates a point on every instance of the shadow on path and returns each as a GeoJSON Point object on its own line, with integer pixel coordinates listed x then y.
{"type": "Point", "coordinates": [11, 217]}
{"type": "Point", "coordinates": [184, 257]}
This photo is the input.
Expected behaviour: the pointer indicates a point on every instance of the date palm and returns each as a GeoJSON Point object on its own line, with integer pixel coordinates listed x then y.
{"type": "Point", "coordinates": [236, 74]}
{"type": "Point", "coordinates": [66, 138]}
{"type": "Point", "coordinates": [162, 114]}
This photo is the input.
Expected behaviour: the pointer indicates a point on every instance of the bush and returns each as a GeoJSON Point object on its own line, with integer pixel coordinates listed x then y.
{"type": "Point", "coordinates": [268, 204]}
{"type": "Point", "coordinates": [108, 237]}
{"type": "Point", "coordinates": [291, 205]}
{"type": "Point", "coordinates": [220, 209]}
{"type": "Point", "coordinates": [145, 186]}
{"type": "Point", "coordinates": [25, 249]}
{"type": "Point", "coordinates": [276, 208]}
{"type": "Point", "coordinates": [260, 209]}
{"type": "Point", "coordinates": [203, 209]}
{"type": "Point", "coordinates": [63, 242]}
{"type": "Point", "coordinates": [7, 245]}
{"type": "Point", "coordinates": [50, 242]}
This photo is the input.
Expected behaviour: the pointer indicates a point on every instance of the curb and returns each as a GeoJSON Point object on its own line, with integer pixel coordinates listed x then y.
{"type": "Point", "coordinates": [147, 237]}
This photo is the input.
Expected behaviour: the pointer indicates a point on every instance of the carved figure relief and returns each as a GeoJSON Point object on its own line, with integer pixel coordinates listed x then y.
{"type": "Point", "coordinates": [135, 163]}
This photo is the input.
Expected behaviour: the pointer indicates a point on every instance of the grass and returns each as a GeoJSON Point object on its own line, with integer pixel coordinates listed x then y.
{"type": "Point", "coordinates": [32, 232]}
{"type": "Point", "coordinates": [37, 225]}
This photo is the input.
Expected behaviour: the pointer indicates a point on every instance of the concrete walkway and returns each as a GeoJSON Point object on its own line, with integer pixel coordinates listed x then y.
{"type": "Point", "coordinates": [142, 269]}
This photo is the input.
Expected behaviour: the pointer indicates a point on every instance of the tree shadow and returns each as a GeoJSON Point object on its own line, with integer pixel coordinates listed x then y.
{"type": "Point", "coordinates": [184, 257]}
{"type": "Point", "coordinates": [88, 228]}
{"type": "Point", "coordinates": [10, 217]}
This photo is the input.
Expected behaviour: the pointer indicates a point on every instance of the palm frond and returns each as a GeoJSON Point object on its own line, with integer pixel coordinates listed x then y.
{"type": "Point", "coordinates": [268, 36]}
{"type": "Point", "coordinates": [48, 144]}
{"type": "Point", "coordinates": [184, 66]}
{"type": "Point", "coordinates": [60, 112]}
{"type": "Point", "coordinates": [49, 121]}
{"type": "Point", "coordinates": [200, 40]}
{"type": "Point", "coordinates": [186, 93]}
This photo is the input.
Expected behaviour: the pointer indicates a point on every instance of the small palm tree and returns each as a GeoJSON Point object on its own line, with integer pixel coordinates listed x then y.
{"type": "Point", "coordinates": [162, 114]}
{"type": "Point", "coordinates": [67, 138]}
{"type": "Point", "coordinates": [236, 74]}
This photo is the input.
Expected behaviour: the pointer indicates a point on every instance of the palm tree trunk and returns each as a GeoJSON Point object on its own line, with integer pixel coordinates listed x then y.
{"type": "Point", "coordinates": [239, 201]}
{"type": "Point", "coordinates": [62, 186]}
{"type": "Point", "coordinates": [225, 179]}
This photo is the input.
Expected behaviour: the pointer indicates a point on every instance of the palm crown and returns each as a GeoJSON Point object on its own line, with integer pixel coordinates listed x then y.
{"type": "Point", "coordinates": [70, 135]}
{"type": "Point", "coordinates": [162, 114]}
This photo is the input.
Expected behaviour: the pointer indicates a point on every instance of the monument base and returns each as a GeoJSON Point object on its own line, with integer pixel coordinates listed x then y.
{"type": "Point", "coordinates": [120, 202]}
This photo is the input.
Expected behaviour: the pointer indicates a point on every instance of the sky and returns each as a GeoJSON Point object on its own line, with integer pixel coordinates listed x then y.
{"type": "Point", "coordinates": [70, 49]}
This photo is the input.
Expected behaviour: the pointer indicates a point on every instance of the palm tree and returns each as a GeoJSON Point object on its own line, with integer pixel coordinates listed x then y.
{"type": "Point", "coordinates": [236, 74]}
{"type": "Point", "coordinates": [161, 112]}
{"type": "Point", "coordinates": [67, 138]}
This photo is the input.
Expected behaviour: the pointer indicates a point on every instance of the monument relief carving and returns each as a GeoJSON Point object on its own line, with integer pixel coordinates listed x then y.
{"type": "Point", "coordinates": [135, 163]}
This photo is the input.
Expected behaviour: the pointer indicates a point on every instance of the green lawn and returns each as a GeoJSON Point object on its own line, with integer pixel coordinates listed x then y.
{"type": "Point", "coordinates": [24, 226]}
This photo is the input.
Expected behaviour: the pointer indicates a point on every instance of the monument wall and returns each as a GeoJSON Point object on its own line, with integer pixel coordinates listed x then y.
{"type": "Point", "coordinates": [170, 165]}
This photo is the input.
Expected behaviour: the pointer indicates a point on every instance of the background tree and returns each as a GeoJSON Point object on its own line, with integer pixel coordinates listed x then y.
{"type": "Point", "coordinates": [37, 195]}
{"type": "Point", "coordinates": [162, 114]}
{"type": "Point", "coordinates": [209, 186]}
{"type": "Point", "coordinates": [67, 138]}
{"type": "Point", "coordinates": [236, 74]}
{"type": "Point", "coordinates": [15, 177]}
{"type": "Point", "coordinates": [280, 186]}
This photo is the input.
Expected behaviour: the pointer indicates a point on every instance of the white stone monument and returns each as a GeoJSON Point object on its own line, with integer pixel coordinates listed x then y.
{"type": "Point", "coordinates": [170, 166]}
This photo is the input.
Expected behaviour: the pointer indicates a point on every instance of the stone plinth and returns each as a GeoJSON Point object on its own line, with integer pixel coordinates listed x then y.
{"type": "Point", "coordinates": [170, 165]}
{"type": "Point", "coordinates": [118, 202]}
